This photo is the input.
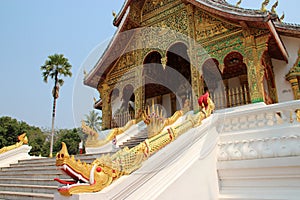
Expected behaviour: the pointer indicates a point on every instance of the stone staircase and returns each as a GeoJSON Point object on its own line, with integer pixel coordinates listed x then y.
{"type": "Point", "coordinates": [135, 140]}
{"type": "Point", "coordinates": [34, 178]}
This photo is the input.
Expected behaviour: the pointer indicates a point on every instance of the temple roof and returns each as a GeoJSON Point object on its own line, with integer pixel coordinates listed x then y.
{"type": "Point", "coordinates": [218, 6]}
{"type": "Point", "coordinates": [288, 29]}
{"type": "Point", "coordinates": [245, 17]}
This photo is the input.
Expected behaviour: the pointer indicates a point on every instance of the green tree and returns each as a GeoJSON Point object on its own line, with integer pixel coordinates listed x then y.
{"type": "Point", "coordinates": [71, 138]}
{"type": "Point", "coordinates": [55, 66]}
{"type": "Point", "coordinates": [94, 120]}
{"type": "Point", "coordinates": [10, 129]}
{"type": "Point", "coordinates": [36, 138]}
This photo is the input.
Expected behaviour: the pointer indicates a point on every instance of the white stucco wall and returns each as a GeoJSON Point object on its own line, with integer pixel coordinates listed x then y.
{"type": "Point", "coordinates": [198, 181]}
{"type": "Point", "coordinates": [281, 68]}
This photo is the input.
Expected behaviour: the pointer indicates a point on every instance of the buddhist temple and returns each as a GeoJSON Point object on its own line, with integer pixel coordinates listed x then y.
{"type": "Point", "coordinates": [200, 99]}
{"type": "Point", "coordinates": [165, 139]}
{"type": "Point", "coordinates": [169, 50]}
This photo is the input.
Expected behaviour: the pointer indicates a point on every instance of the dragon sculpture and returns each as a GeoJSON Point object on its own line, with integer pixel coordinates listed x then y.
{"type": "Point", "coordinates": [155, 121]}
{"type": "Point", "coordinates": [106, 169]}
{"type": "Point", "coordinates": [22, 140]}
{"type": "Point", "coordinates": [92, 140]}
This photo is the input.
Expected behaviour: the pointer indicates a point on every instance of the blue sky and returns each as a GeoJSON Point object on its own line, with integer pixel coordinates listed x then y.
{"type": "Point", "coordinates": [33, 29]}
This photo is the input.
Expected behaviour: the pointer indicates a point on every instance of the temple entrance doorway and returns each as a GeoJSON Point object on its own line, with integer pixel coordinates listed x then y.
{"type": "Point", "coordinates": [167, 83]}
{"type": "Point", "coordinates": [122, 106]}
{"type": "Point", "coordinates": [235, 80]}
{"type": "Point", "coordinates": [228, 87]}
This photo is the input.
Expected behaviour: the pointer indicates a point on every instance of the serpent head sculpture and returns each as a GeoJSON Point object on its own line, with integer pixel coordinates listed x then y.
{"type": "Point", "coordinates": [86, 177]}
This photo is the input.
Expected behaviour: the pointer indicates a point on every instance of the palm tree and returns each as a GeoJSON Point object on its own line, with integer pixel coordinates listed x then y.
{"type": "Point", "coordinates": [94, 120]}
{"type": "Point", "coordinates": [55, 66]}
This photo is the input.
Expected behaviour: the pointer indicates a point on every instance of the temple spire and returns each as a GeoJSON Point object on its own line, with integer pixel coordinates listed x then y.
{"type": "Point", "coordinates": [264, 4]}
{"type": "Point", "coordinates": [273, 9]}
{"type": "Point", "coordinates": [238, 3]}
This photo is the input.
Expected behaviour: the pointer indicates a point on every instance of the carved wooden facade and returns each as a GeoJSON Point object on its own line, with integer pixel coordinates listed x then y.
{"type": "Point", "coordinates": [238, 50]}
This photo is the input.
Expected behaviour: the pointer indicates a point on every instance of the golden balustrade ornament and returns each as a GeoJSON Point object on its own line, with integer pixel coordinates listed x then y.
{"type": "Point", "coordinates": [93, 141]}
{"type": "Point", "coordinates": [22, 140]}
{"type": "Point", "coordinates": [106, 169]}
{"type": "Point", "coordinates": [155, 121]}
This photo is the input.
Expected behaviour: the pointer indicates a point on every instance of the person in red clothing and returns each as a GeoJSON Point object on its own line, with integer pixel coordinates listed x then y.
{"type": "Point", "coordinates": [203, 99]}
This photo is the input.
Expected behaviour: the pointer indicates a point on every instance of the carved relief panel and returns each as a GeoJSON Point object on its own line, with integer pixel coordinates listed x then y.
{"type": "Point", "coordinates": [208, 26]}
{"type": "Point", "coordinates": [153, 5]}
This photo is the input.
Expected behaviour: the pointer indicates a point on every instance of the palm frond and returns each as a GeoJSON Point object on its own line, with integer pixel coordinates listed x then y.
{"type": "Point", "coordinates": [60, 82]}
{"type": "Point", "coordinates": [56, 65]}
{"type": "Point", "coordinates": [94, 120]}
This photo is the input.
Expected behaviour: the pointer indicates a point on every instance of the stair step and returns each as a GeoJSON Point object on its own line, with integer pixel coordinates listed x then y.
{"type": "Point", "coordinates": [83, 157]}
{"type": "Point", "coordinates": [28, 181]}
{"type": "Point", "coordinates": [135, 140]}
{"type": "Point", "coordinates": [50, 162]}
{"type": "Point", "coordinates": [50, 167]}
{"type": "Point", "coordinates": [37, 160]}
{"type": "Point", "coordinates": [24, 195]}
{"type": "Point", "coordinates": [33, 171]}
{"type": "Point", "coordinates": [59, 174]}
{"type": "Point", "coordinates": [45, 189]}
{"type": "Point", "coordinates": [34, 178]}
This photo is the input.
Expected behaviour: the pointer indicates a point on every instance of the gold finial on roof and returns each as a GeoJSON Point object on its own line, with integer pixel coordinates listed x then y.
{"type": "Point", "coordinates": [238, 3]}
{"type": "Point", "coordinates": [114, 14]}
{"type": "Point", "coordinates": [264, 4]}
{"type": "Point", "coordinates": [273, 9]}
{"type": "Point", "coordinates": [282, 17]}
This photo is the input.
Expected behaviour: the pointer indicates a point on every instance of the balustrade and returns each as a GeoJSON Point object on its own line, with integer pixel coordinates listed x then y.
{"type": "Point", "coordinates": [231, 97]}
{"type": "Point", "coordinates": [271, 115]}
{"type": "Point", "coordinates": [120, 119]}
{"type": "Point", "coordinates": [270, 118]}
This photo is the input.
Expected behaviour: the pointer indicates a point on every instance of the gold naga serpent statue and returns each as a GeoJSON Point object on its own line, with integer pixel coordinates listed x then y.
{"type": "Point", "coordinates": [22, 140]}
{"type": "Point", "coordinates": [106, 169]}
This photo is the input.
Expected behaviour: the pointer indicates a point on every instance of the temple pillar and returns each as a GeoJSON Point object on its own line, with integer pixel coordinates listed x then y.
{"type": "Point", "coordinates": [295, 87]}
{"type": "Point", "coordinates": [294, 77]}
{"type": "Point", "coordinates": [106, 106]}
{"type": "Point", "coordinates": [254, 69]}
{"type": "Point", "coordinates": [195, 81]}
{"type": "Point", "coordinates": [269, 77]}
{"type": "Point", "coordinates": [139, 92]}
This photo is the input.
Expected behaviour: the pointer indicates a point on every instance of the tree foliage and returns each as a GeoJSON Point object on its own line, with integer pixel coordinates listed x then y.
{"type": "Point", "coordinates": [38, 139]}
{"type": "Point", "coordinates": [10, 129]}
{"type": "Point", "coordinates": [71, 138]}
{"type": "Point", "coordinates": [55, 66]}
{"type": "Point", "coordinates": [94, 120]}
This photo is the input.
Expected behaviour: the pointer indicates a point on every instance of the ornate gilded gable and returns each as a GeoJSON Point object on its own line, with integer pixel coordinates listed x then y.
{"type": "Point", "coordinates": [123, 69]}
{"type": "Point", "coordinates": [152, 5]}
{"type": "Point", "coordinates": [208, 26]}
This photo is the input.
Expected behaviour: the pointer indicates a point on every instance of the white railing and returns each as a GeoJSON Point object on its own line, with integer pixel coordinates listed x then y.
{"type": "Point", "coordinates": [258, 150]}
{"type": "Point", "coordinates": [259, 131]}
{"type": "Point", "coordinates": [259, 116]}
{"type": "Point", "coordinates": [231, 97]}
{"type": "Point", "coordinates": [120, 119]}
